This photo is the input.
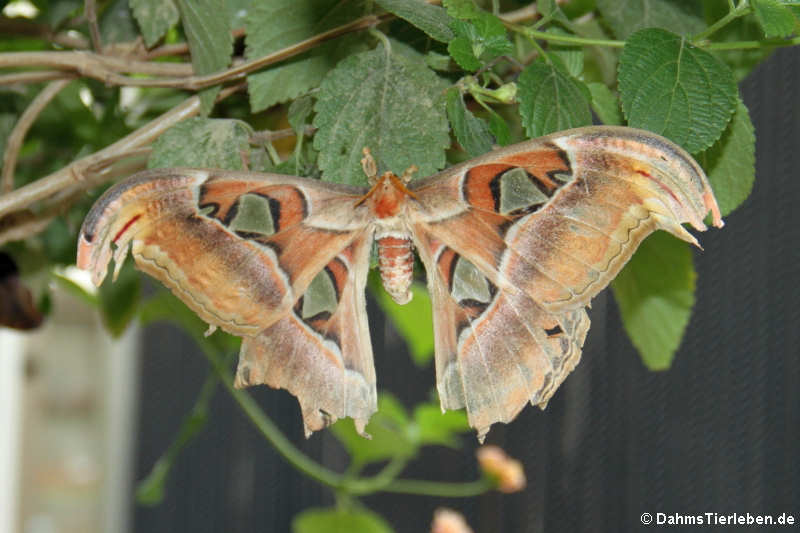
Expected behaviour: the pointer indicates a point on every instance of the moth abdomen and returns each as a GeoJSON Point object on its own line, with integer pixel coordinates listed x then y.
{"type": "Point", "coordinates": [396, 264]}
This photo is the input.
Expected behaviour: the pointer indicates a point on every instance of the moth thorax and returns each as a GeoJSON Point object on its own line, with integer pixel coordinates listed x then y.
{"type": "Point", "coordinates": [396, 263]}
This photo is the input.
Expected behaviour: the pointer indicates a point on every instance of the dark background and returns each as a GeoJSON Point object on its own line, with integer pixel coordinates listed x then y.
{"type": "Point", "coordinates": [718, 432]}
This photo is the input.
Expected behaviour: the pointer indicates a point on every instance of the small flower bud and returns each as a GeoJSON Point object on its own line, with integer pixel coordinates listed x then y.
{"type": "Point", "coordinates": [507, 471]}
{"type": "Point", "coordinates": [449, 521]}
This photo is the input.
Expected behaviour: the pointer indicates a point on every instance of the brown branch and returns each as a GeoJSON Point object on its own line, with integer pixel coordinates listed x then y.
{"type": "Point", "coordinates": [105, 68]}
{"type": "Point", "coordinates": [21, 128]}
{"type": "Point", "coordinates": [36, 76]}
{"type": "Point", "coordinates": [74, 172]}
{"type": "Point", "coordinates": [90, 11]}
{"type": "Point", "coordinates": [89, 64]}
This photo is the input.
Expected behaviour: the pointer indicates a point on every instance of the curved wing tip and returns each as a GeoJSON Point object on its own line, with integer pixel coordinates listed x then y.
{"type": "Point", "coordinates": [711, 204]}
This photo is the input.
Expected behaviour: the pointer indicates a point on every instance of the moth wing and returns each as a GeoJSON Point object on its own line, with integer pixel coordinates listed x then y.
{"type": "Point", "coordinates": [321, 351]}
{"type": "Point", "coordinates": [239, 248]}
{"type": "Point", "coordinates": [495, 350]}
{"type": "Point", "coordinates": [517, 242]}
{"type": "Point", "coordinates": [559, 216]}
{"type": "Point", "coordinates": [279, 260]}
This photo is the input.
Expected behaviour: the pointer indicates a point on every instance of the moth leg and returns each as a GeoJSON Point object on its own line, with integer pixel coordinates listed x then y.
{"type": "Point", "coordinates": [369, 166]}
{"type": "Point", "coordinates": [406, 177]}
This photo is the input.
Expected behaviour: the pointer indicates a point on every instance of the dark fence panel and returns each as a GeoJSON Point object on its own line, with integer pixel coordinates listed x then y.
{"type": "Point", "coordinates": [718, 432]}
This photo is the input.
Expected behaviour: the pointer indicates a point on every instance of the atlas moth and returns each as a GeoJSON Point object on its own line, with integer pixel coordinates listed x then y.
{"type": "Point", "coordinates": [515, 244]}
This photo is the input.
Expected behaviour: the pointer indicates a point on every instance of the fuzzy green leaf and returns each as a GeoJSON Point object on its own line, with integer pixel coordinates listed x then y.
{"type": "Point", "coordinates": [202, 142]}
{"type": "Point", "coordinates": [460, 49]}
{"type": "Point", "coordinates": [776, 19]}
{"type": "Point", "coordinates": [389, 429]}
{"type": "Point", "coordinates": [461, 9]}
{"type": "Point", "coordinates": [472, 133]}
{"type": "Point", "coordinates": [435, 427]}
{"type": "Point", "coordinates": [675, 89]}
{"type": "Point", "coordinates": [730, 162]}
{"type": "Point", "coordinates": [208, 32]}
{"type": "Point", "coordinates": [117, 24]}
{"type": "Point", "coordinates": [274, 25]}
{"type": "Point", "coordinates": [479, 40]}
{"type": "Point", "coordinates": [626, 17]}
{"type": "Point", "coordinates": [551, 100]}
{"type": "Point", "coordinates": [155, 18]}
{"type": "Point", "coordinates": [431, 19]}
{"type": "Point", "coordinates": [499, 128]}
{"type": "Point", "coordinates": [605, 104]}
{"type": "Point", "coordinates": [335, 520]}
{"type": "Point", "coordinates": [571, 57]}
{"type": "Point", "coordinates": [388, 101]}
{"type": "Point", "coordinates": [655, 295]}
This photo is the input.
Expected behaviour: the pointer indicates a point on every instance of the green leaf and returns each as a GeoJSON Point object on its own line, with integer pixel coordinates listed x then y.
{"type": "Point", "coordinates": [119, 300]}
{"type": "Point", "coordinates": [471, 132]}
{"type": "Point", "coordinates": [389, 429]}
{"type": "Point", "coordinates": [155, 18]}
{"type": "Point", "coordinates": [208, 32]}
{"type": "Point", "coordinates": [435, 427]}
{"type": "Point", "coordinates": [481, 39]}
{"type": "Point", "coordinates": [626, 17]}
{"type": "Point", "coordinates": [551, 100]}
{"type": "Point", "coordinates": [299, 112]}
{"type": "Point", "coordinates": [438, 61]}
{"type": "Point", "coordinates": [238, 12]}
{"type": "Point", "coordinates": [274, 25]}
{"type": "Point", "coordinates": [655, 294]}
{"type": "Point", "coordinates": [605, 104]}
{"type": "Point", "coordinates": [335, 520]}
{"type": "Point", "coordinates": [675, 89]}
{"type": "Point", "coordinates": [461, 9]}
{"type": "Point", "coordinates": [460, 49]}
{"type": "Point", "coordinates": [431, 19]}
{"type": "Point", "coordinates": [202, 142]}
{"type": "Point", "coordinates": [116, 23]}
{"type": "Point", "coordinates": [413, 320]}
{"type": "Point", "coordinates": [499, 128]}
{"type": "Point", "coordinates": [599, 62]}
{"type": "Point", "coordinates": [730, 162]}
{"type": "Point", "coordinates": [774, 18]}
{"type": "Point", "coordinates": [571, 57]}
{"type": "Point", "coordinates": [388, 102]}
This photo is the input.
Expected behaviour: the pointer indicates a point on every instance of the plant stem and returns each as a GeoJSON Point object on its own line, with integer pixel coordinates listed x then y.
{"type": "Point", "coordinates": [742, 9]}
{"type": "Point", "coordinates": [565, 39]}
{"type": "Point", "coordinates": [380, 480]}
{"type": "Point", "coordinates": [444, 490]}
{"type": "Point", "coordinates": [383, 481]}
{"type": "Point", "coordinates": [293, 456]}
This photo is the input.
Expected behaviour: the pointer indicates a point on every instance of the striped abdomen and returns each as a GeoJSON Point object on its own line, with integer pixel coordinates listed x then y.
{"type": "Point", "coordinates": [396, 263]}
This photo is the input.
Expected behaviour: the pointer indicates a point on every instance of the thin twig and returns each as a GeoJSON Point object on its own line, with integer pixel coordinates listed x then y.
{"type": "Point", "coordinates": [105, 68]}
{"type": "Point", "coordinates": [74, 172]}
{"type": "Point", "coordinates": [21, 128]}
{"type": "Point", "coordinates": [36, 76]}
{"type": "Point", "coordinates": [90, 11]}
{"type": "Point", "coordinates": [89, 64]}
